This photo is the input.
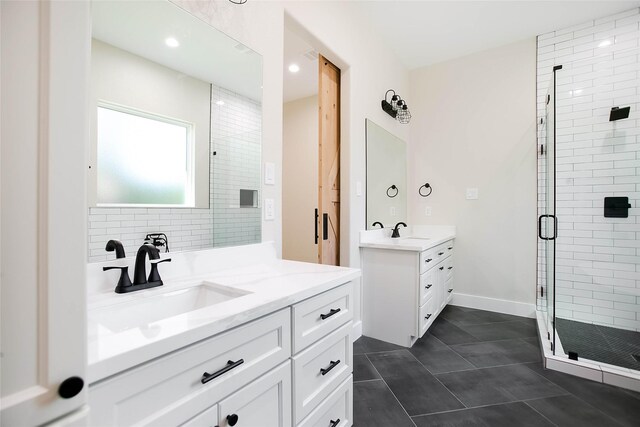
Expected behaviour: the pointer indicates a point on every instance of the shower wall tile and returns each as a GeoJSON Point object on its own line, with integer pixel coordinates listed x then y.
{"type": "Point", "coordinates": [597, 258]}
{"type": "Point", "coordinates": [236, 138]}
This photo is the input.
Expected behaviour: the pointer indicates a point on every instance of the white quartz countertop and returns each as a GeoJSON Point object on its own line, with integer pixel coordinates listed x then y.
{"type": "Point", "coordinates": [416, 238]}
{"type": "Point", "coordinates": [271, 285]}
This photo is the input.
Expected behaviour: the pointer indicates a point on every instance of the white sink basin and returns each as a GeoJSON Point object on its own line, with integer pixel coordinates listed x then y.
{"type": "Point", "coordinates": [143, 312]}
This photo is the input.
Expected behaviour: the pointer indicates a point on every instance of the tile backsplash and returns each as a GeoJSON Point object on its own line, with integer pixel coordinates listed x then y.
{"type": "Point", "coordinates": [236, 141]}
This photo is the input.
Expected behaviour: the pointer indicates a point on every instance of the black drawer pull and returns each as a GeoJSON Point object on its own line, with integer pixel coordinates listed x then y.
{"type": "Point", "coordinates": [450, 290]}
{"type": "Point", "coordinates": [449, 268]}
{"type": "Point", "coordinates": [330, 313]}
{"type": "Point", "coordinates": [450, 247]}
{"type": "Point", "coordinates": [325, 371]}
{"type": "Point", "coordinates": [232, 419]}
{"type": "Point", "coordinates": [440, 253]}
{"type": "Point", "coordinates": [441, 268]}
{"type": "Point", "coordinates": [428, 260]}
{"type": "Point", "coordinates": [428, 316]}
{"type": "Point", "coordinates": [334, 423]}
{"type": "Point", "coordinates": [428, 286]}
{"type": "Point", "coordinates": [206, 377]}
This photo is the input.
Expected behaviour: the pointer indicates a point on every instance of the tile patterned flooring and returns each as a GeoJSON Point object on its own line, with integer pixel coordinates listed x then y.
{"type": "Point", "coordinates": [478, 368]}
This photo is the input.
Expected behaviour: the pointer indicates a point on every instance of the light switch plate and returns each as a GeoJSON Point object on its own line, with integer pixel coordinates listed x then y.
{"type": "Point", "coordinates": [269, 173]}
{"type": "Point", "coordinates": [269, 210]}
{"type": "Point", "coordinates": [427, 211]}
{"type": "Point", "coordinates": [472, 193]}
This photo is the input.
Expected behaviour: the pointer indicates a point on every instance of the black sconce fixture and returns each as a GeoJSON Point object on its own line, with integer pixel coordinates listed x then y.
{"type": "Point", "coordinates": [397, 108]}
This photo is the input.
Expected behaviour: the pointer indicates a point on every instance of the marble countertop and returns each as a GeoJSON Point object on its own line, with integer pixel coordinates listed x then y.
{"type": "Point", "coordinates": [414, 238]}
{"type": "Point", "coordinates": [269, 286]}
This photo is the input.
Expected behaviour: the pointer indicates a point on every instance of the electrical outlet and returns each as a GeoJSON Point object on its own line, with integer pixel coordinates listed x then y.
{"type": "Point", "coordinates": [427, 211]}
{"type": "Point", "coordinates": [269, 210]}
{"type": "Point", "coordinates": [269, 173]}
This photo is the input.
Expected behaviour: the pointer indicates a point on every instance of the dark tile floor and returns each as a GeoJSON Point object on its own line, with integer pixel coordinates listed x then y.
{"type": "Point", "coordinates": [478, 368]}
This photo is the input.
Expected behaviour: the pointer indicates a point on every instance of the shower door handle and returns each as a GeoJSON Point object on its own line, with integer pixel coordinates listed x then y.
{"type": "Point", "coordinates": [555, 227]}
{"type": "Point", "coordinates": [315, 220]}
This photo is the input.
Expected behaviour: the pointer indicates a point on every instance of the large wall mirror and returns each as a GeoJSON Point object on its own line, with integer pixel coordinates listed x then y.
{"type": "Point", "coordinates": [176, 129]}
{"type": "Point", "coordinates": [386, 177]}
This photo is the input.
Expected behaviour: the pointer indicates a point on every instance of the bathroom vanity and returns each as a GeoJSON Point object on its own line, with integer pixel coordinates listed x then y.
{"type": "Point", "coordinates": [234, 337]}
{"type": "Point", "coordinates": [407, 281]}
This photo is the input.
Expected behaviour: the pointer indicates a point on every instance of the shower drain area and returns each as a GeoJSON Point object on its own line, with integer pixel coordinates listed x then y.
{"type": "Point", "coordinates": [604, 344]}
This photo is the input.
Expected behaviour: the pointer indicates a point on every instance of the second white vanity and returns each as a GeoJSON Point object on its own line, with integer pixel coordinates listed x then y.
{"type": "Point", "coordinates": [407, 281]}
{"type": "Point", "coordinates": [234, 337]}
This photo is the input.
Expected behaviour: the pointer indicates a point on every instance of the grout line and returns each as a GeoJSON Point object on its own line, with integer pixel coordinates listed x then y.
{"type": "Point", "coordinates": [391, 391]}
{"type": "Point", "coordinates": [368, 381]}
{"type": "Point", "coordinates": [541, 414]}
{"type": "Point", "coordinates": [572, 395]}
{"type": "Point", "coordinates": [378, 352]}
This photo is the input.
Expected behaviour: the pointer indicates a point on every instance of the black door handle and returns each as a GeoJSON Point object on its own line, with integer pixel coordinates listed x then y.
{"type": "Point", "coordinates": [315, 221]}
{"type": "Point", "coordinates": [206, 377]}
{"type": "Point", "coordinates": [555, 226]}
{"type": "Point", "coordinates": [70, 387]}
{"type": "Point", "coordinates": [325, 226]}
{"type": "Point", "coordinates": [333, 364]}
{"type": "Point", "coordinates": [330, 313]}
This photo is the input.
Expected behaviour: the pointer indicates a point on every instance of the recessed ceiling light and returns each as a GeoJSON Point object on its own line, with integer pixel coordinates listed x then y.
{"type": "Point", "coordinates": [294, 68]}
{"type": "Point", "coordinates": [221, 103]}
{"type": "Point", "coordinates": [605, 43]}
{"type": "Point", "coordinates": [171, 42]}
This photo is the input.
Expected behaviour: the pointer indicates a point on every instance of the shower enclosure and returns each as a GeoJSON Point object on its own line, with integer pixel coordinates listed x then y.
{"type": "Point", "coordinates": [589, 210]}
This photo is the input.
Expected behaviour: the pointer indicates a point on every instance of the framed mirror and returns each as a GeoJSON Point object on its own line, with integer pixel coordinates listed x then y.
{"type": "Point", "coordinates": [386, 177]}
{"type": "Point", "coordinates": [176, 128]}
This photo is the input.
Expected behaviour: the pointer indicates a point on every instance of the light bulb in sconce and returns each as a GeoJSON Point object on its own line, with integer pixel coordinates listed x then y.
{"type": "Point", "coordinates": [404, 115]}
{"type": "Point", "coordinates": [171, 42]}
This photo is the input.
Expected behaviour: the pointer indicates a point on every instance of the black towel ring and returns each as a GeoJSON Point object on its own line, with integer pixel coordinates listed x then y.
{"type": "Point", "coordinates": [393, 187]}
{"type": "Point", "coordinates": [427, 187]}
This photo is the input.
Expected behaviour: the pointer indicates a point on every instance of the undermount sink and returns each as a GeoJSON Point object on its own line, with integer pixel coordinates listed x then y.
{"type": "Point", "coordinates": [143, 312]}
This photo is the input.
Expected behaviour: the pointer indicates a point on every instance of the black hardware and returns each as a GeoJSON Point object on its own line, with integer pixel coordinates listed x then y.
{"type": "Point", "coordinates": [233, 418]}
{"type": "Point", "coordinates": [325, 226]}
{"type": "Point", "coordinates": [330, 313]}
{"type": "Point", "coordinates": [441, 268]}
{"type": "Point", "coordinates": [440, 253]}
{"type": "Point", "coordinates": [378, 223]}
{"type": "Point", "coordinates": [316, 224]}
{"type": "Point", "coordinates": [124, 282]}
{"type": "Point", "coordinates": [397, 108]}
{"type": "Point", "coordinates": [551, 346]}
{"type": "Point", "coordinates": [158, 240]}
{"type": "Point", "coordinates": [206, 377]}
{"type": "Point", "coordinates": [542, 149]}
{"type": "Point", "coordinates": [556, 68]}
{"type": "Point", "coordinates": [618, 113]}
{"type": "Point", "coordinates": [450, 290]}
{"type": "Point", "coordinates": [70, 387]}
{"type": "Point", "coordinates": [449, 268]}
{"type": "Point", "coordinates": [396, 231]}
{"type": "Point", "coordinates": [555, 229]}
{"type": "Point", "coordinates": [332, 365]}
{"type": "Point", "coordinates": [393, 187]}
{"type": "Point", "coordinates": [573, 355]}
{"type": "Point", "coordinates": [154, 276]}
{"type": "Point", "coordinates": [140, 274]}
{"type": "Point", "coordinates": [428, 260]}
{"type": "Point", "coordinates": [428, 286]}
{"type": "Point", "coordinates": [334, 423]}
{"type": "Point", "coordinates": [548, 98]}
{"type": "Point", "coordinates": [548, 336]}
{"type": "Point", "coordinates": [428, 188]}
{"type": "Point", "coordinates": [541, 292]}
{"type": "Point", "coordinates": [616, 207]}
{"type": "Point", "coordinates": [428, 316]}
{"type": "Point", "coordinates": [115, 245]}
{"type": "Point", "coordinates": [450, 247]}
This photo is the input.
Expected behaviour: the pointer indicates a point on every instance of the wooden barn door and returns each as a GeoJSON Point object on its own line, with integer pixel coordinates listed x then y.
{"type": "Point", "coordinates": [329, 163]}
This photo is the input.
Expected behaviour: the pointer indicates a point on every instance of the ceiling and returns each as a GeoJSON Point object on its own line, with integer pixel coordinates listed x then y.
{"type": "Point", "coordinates": [304, 83]}
{"type": "Point", "coordinates": [422, 33]}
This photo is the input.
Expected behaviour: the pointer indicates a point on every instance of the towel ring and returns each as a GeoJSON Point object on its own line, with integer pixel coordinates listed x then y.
{"type": "Point", "coordinates": [393, 187]}
{"type": "Point", "coordinates": [427, 187]}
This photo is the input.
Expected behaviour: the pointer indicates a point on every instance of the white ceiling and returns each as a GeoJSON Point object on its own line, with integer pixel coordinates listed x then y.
{"type": "Point", "coordinates": [305, 82]}
{"type": "Point", "coordinates": [422, 33]}
{"type": "Point", "coordinates": [205, 53]}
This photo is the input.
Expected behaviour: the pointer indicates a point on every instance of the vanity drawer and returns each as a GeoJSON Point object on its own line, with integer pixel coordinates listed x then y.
{"type": "Point", "coordinates": [448, 289]}
{"type": "Point", "coordinates": [427, 285]}
{"type": "Point", "coordinates": [428, 259]}
{"type": "Point", "coordinates": [338, 407]}
{"type": "Point", "coordinates": [318, 316]}
{"type": "Point", "coordinates": [204, 419]}
{"type": "Point", "coordinates": [448, 268]}
{"type": "Point", "coordinates": [427, 315]}
{"type": "Point", "coordinates": [449, 247]}
{"type": "Point", "coordinates": [159, 392]}
{"type": "Point", "coordinates": [318, 370]}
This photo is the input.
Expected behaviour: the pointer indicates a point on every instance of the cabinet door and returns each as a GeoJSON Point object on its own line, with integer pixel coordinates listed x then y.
{"type": "Point", "coordinates": [207, 418]}
{"type": "Point", "coordinates": [266, 402]}
{"type": "Point", "coordinates": [441, 298]}
{"type": "Point", "coordinates": [44, 79]}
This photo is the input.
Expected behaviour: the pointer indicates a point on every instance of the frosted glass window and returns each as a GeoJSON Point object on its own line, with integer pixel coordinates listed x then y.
{"type": "Point", "coordinates": [143, 159]}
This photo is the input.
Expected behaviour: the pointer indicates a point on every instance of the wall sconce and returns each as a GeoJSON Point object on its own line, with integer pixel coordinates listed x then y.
{"type": "Point", "coordinates": [397, 108]}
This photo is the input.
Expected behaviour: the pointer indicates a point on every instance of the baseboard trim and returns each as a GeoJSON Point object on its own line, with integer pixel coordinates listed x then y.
{"type": "Point", "coordinates": [494, 304]}
{"type": "Point", "coordinates": [357, 330]}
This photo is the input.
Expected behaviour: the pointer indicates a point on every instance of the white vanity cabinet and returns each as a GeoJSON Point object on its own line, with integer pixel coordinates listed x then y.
{"type": "Point", "coordinates": [249, 376]}
{"type": "Point", "coordinates": [405, 290]}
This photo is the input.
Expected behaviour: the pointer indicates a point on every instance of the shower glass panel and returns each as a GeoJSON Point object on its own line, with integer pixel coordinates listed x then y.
{"type": "Point", "coordinates": [592, 258]}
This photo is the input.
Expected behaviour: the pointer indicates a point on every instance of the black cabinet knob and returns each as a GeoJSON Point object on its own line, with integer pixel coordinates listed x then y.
{"type": "Point", "coordinates": [441, 268]}
{"type": "Point", "coordinates": [70, 387]}
{"type": "Point", "coordinates": [428, 260]}
{"type": "Point", "coordinates": [232, 419]}
{"type": "Point", "coordinates": [440, 253]}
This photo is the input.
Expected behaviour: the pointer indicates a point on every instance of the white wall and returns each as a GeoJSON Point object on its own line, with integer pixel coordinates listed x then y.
{"type": "Point", "coordinates": [597, 258]}
{"type": "Point", "coordinates": [474, 126]}
{"type": "Point", "coordinates": [300, 182]}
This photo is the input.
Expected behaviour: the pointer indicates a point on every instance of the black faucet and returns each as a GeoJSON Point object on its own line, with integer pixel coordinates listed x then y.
{"type": "Point", "coordinates": [140, 275]}
{"type": "Point", "coordinates": [396, 231]}
{"type": "Point", "coordinates": [377, 223]}
{"type": "Point", "coordinates": [124, 282]}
